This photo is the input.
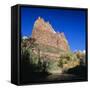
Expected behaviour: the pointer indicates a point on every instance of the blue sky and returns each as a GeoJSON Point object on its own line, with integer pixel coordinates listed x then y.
{"type": "Point", "coordinates": [71, 22]}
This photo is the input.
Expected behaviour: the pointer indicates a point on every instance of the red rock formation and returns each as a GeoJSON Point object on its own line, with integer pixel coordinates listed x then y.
{"type": "Point", "coordinates": [45, 34]}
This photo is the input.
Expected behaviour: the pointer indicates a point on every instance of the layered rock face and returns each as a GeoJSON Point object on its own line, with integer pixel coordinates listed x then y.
{"type": "Point", "coordinates": [45, 34]}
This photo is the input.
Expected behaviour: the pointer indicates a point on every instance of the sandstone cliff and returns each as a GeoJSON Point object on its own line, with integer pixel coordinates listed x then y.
{"type": "Point", "coordinates": [44, 33]}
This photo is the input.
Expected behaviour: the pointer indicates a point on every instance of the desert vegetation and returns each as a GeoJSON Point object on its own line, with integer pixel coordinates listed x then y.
{"type": "Point", "coordinates": [38, 62]}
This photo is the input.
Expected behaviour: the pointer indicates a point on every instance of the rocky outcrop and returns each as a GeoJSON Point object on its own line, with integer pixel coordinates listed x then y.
{"type": "Point", "coordinates": [44, 33]}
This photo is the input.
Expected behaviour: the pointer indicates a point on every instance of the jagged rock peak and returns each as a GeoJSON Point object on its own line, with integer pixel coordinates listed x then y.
{"type": "Point", "coordinates": [45, 34]}
{"type": "Point", "coordinates": [41, 24]}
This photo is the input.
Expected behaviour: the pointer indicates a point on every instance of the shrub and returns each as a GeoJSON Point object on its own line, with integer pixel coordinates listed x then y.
{"type": "Point", "coordinates": [68, 60]}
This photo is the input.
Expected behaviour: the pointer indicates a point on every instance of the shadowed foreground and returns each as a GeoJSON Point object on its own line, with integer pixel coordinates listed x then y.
{"type": "Point", "coordinates": [74, 74]}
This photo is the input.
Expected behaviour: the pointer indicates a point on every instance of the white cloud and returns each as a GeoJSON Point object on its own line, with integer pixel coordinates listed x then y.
{"type": "Point", "coordinates": [24, 37]}
{"type": "Point", "coordinates": [84, 51]}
